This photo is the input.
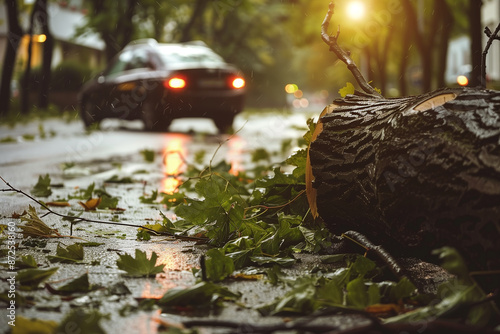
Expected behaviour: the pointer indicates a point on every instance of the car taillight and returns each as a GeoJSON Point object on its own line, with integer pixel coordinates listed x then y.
{"type": "Point", "coordinates": [175, 83]}
{"type": "Point", "coordinates": [238, 83]}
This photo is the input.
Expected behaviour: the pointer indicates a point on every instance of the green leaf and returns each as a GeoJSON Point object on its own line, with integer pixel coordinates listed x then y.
{"type": "Point", "coordinates": [143, 234]}
{"type": "Point", "coordinates": [151, 199]}
{"type": "Point", "coordinates": [453, 262]}
{"type": "Point", "coordinates": [42, 188]}
{"type": "Point", "coordinates": [174, 199]}
{"type": "Point", "coordinates": [82, 321]}
{"type": "Point", "coordinates": [148, 155]}
{"type": "Point", "coordinates": [357, 295]}
{"type": "Point", "coordinates": [373, 294]}
{"type": "Point", "coordinates": [29, 279]}
{"type": "Point", "coordinates": [264, 260]}
{"type": "Point", "coordinates": [300, 299]}
{"type": "Point", "coordinates": [139, 266]}
{"type": "Point", "coordinates": [287, 234]}
{"type": "Point", "coordinates": [311, 126]}
{"type": "Point", "coordinates": [217, 265]}
{"type": "Point", "coordinates": [71, 254]}
{"type": "Point", "coordinates": [298, 159]}
{"type": "Point", "coordinates": [260, 154]}
{"type": "Point", "coordinates": [363, 265]}
{"type": "Point", "coordinates": [78, 285]}
{"type": "Point", "coordinates": [108, 202]}
{"type": "Point", "coordinates": [331, 293]}
{"type": "Point", "coordinates": [27, 261]}
{"type": "Point", "coordinates": [117, 179]}
{"type": "Point", "coordinates": [200, 295]}
{"type": "Point", "coordinates": [348, 89]}
{"type": "Point", "coordinates": [403, 289]}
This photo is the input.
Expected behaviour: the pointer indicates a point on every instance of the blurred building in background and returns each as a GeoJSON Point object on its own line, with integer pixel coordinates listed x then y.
{"type": "Point", "coordinates": [64, 18]}
{"type": "Point", "coordinates": [459, 58]}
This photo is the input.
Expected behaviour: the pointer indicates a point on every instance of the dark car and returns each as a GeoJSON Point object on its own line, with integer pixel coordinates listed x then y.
{"type": "Point", "coordinates": [159, 82]}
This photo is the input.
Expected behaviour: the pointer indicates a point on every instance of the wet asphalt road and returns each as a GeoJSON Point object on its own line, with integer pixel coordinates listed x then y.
{"type": "Point", "coordinates": [47, 147]}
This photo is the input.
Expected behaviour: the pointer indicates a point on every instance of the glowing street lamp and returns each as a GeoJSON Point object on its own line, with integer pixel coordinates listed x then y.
{"type": "Point", "coordinates": [356, 10]}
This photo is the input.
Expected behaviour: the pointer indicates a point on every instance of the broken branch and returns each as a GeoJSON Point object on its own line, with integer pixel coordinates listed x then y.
{"type": "Point", "coordinates": [491, 38]}
{"type": "Point", "coordinates": [78, 220]}
{"type": "Point", "coordinates": [343, 55]}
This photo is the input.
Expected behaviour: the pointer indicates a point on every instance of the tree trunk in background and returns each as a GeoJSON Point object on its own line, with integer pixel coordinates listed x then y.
{"type": "Point", "coordinates": [446, 27]}
{"type": "Point", "coordinates": [412, 173]}
{"type": "Point", "coordinates": [14, 36]}
{"type": "Point", "coordinates": [403, 65]}
{"type": "Point", "coordinates": [25, 86]}
{"type": "Point", "coordinates": [48, 47]}
{"type": "Point", "coordinates": [199, 9]}
{"type": "Point", "coordinates": [476, 34]}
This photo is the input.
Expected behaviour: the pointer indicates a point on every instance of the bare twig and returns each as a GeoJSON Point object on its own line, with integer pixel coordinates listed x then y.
{"type": "Point", "coordinates": [491, 38]}
{"type": "Point", "coordinates": [75, 220]}
{"type": "Point", "coordinates": [344, 55]}
{"type": "Point", "coordinates": [370, 247]}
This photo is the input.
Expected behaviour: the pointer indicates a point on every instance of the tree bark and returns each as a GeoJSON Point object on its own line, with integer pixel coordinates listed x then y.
{"type": "Point", "coordinates": [412, 173]}
{"type": "Point", "coordinates": [14, 36]}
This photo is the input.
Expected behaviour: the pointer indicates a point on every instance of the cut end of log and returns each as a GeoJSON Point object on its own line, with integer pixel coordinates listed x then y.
{"type": "Point", "coordinates": [435, 101]}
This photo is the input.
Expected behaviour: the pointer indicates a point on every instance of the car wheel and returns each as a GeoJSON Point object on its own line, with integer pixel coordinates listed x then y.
{"type": "Point", "coordinates": [224, 124]}
{"type": "Point", "coordinates": [153, 118]}
{"type": "Point", "coordinates": [88, 114]}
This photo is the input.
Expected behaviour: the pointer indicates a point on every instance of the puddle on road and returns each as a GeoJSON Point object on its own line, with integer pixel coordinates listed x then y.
{"type": "Point", "coordinates": [174, 161]}
{"type": "Point", "coordinates": [176, 156]}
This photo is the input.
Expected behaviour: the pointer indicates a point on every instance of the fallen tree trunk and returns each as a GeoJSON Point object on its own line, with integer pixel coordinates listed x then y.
{"type": "Point", "coordinates": [412, 173]}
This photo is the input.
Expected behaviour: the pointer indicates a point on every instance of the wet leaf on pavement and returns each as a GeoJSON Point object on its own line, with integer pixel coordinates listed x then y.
{"type": "Point", "coordinates": [42, 188]}
{"type": "Point", "coordinates": [140, 265]}
{"type": "Point", "coordinates": [29, 279]}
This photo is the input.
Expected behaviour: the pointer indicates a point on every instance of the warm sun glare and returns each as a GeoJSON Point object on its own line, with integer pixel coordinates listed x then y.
{"type": "Point", "coordinates": [356, 10]}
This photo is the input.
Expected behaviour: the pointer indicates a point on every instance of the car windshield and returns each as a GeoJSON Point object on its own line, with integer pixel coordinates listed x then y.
{"type": "Point", "coordinates": [188, 54]}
